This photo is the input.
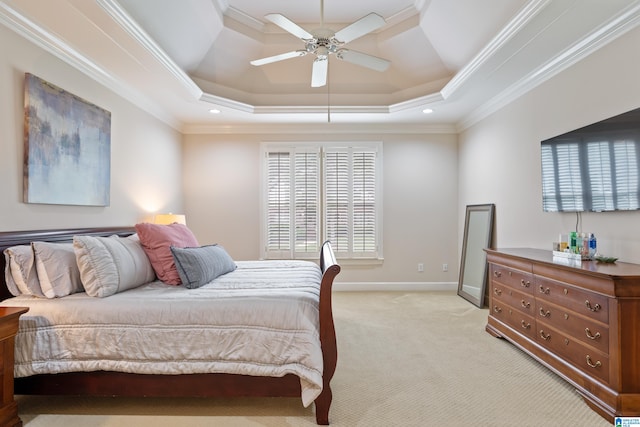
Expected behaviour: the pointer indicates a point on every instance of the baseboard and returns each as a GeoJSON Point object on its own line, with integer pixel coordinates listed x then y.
{"type": "Point", "coordinates": [395, 286]}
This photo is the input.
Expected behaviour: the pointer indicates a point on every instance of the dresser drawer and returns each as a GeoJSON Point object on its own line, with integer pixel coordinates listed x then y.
{"type": "Point", "coordinates": [589, 331]}
{"type": "Point", "coordinates": [521, 322]}
{"type": "Point", "coordinates": [589, 360]}
{"type": "Point", "coordinates": [588, 304]}
{"type": "Point", "coordinates": [517, 300]}
{"type": "Point", "coordinates": [514, 278]}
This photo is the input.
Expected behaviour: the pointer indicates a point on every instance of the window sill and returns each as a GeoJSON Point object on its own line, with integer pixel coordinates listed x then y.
{"type": "Point", "coordinates": [360, 261]}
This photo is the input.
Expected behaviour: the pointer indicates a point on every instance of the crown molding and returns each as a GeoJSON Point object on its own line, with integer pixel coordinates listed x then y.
{"type": "Point", "coordinates": [243, 18]}
{"type": "Point", "coordinates": [219, 101]}
{"type": "Point", "coordinates": [124, 20]}
{"type": "Point", "coordinates": [626, 21]}
{"type": "Point", "coordinates": [514, 27]}
{"type": "Point", "coordinates": [420, 102]}
{"type": "Point", "coordinates": [47, 41]}
{"type": "Point", "coordinates": [320, 128]}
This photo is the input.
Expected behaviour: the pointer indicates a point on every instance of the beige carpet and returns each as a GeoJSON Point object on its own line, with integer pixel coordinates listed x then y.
{"type": "Point", "coordinates": [405, 359]}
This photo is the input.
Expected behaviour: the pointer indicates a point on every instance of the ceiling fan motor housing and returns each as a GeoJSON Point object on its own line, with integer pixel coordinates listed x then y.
{"type": "Point", "coordinates": [322, 47]}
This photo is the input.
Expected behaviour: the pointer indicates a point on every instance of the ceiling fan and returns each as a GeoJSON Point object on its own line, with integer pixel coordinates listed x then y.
{"type": "Point", "coordinates": [322, 42]}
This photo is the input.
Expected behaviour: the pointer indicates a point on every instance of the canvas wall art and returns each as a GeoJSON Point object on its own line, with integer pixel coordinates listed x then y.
{"type": "Point", "coordinates": [67, 147]}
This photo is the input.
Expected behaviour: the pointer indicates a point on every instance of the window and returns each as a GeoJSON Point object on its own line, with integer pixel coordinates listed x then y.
{"type": "Point", "coordinates": [314, 193]}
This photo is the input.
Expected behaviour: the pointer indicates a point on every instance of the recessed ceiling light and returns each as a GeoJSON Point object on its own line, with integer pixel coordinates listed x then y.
{"type": "Point", "coordinates": [427, 111]}
{"type": "Point", "coordinates": [214, 111]}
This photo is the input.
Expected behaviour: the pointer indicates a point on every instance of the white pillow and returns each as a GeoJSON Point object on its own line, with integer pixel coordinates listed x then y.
{"type": "Point", "coordinates": [57, 269]}
{"type": "Point", "coordinates": [8, 275]}
{"type": "Point", "coordinates": [21, 263]}
{"type": "Point", "coordinates": [109, 265]}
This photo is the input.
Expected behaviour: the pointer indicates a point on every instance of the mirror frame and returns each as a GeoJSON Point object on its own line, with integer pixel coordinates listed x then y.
{"type": "Point", "coordinates": [475, 253]}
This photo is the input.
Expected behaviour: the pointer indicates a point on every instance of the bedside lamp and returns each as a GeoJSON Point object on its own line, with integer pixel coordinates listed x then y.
{"type": "Point", "coordinates": [170, 218]}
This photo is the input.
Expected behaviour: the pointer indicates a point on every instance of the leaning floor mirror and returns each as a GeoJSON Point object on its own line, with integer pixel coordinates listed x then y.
{"type": "Point", "coordinates": [478, 232]}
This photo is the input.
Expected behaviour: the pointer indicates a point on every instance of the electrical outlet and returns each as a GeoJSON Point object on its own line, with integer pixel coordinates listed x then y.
{"type": "Point", "coordinates": [420, 267]}
{"type": "Point", "coordinates": [445, 267]}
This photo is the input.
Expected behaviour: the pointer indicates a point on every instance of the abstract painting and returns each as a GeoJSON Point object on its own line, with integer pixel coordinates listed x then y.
{"type": "Point", "coordinates": [67, 147]}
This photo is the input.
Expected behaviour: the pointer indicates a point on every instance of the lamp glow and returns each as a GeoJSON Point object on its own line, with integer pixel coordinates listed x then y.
{"type": "Point", "coordinates": [165, 219]}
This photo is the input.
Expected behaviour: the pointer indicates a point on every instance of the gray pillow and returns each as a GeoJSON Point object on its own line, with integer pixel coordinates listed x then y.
{"type": "Point", "coordinates": [20, 271]}
{"type": "Point", "coordinates": [57, 269]}
{"type": "Point", "coordinates": [199, 266]}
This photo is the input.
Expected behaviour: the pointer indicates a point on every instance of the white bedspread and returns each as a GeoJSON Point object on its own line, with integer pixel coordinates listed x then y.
{"type": "Point", "coordinates": [261, 320]}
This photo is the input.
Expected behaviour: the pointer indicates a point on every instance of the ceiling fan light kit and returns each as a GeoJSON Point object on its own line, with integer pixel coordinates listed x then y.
{"type": "Point", "coordinates": [324, 42]}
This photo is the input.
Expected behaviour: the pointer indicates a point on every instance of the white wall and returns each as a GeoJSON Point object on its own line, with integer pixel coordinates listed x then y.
{"type": "Point", "coordinates": [499, 159]}
{"type": "Point", "coordinates": [222, 199]}
{"type": "Point", "coordinates": [146, 173]}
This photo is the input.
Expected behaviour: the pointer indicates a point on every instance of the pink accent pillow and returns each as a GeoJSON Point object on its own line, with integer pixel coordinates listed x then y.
{"type": "Point", "coordinates": [157, 240]}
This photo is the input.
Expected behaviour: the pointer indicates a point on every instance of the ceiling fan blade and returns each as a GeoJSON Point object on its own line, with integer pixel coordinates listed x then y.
{"type": "Point", "coordinates": [319, 73]}
{"type": "Point", "coordinates": [362, 26]}
{"type": "Point", "coordinates": [281, 57]}
{"type": "Point", "coordinates": [363, 59]}
{"type": "Point", "coordinates": [289, 26]}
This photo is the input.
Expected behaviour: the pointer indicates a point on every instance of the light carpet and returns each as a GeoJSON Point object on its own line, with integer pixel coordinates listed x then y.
{"type": "Point", "coordinates": [404, 359]}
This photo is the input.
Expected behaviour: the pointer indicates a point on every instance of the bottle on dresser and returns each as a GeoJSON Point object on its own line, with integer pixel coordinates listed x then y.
{"type": "Point", "coordinates": [593, 245]}
{"type": "Point", "coordinates": [573, 244]}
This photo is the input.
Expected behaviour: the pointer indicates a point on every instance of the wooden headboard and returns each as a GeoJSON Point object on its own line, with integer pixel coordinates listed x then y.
{"type": "Point", "coordinates": [14, 238]}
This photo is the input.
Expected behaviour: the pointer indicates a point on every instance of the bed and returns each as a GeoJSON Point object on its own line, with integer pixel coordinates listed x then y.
{"type": "Point", "coordinates": [297, 368]}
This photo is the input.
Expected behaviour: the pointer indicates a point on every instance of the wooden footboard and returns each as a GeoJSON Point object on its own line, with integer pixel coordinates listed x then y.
{"type": "Point", "coordinates": [330, 269]}
{"type": "Point", "coordinates": [102, 383]}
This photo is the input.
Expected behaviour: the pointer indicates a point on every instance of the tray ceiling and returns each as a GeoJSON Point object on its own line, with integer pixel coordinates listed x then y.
{"type": "Point", "coordinates": [461, 58]}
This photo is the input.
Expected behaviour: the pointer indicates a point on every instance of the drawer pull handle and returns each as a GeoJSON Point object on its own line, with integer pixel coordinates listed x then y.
{"type": "Point", "coordinates": [525, 304]}
{"type": "Point", "coordinates": [497, 291]}
{"type": "Point", "coordinates": [525, 325]}
{"type": "Point", "coordinates": [544, 336]}
{"type": "Point", "coordinates": [524, 283]}
{"type": "Point", "coordinates": [592, 336]}
{"type": "Point", "coordinates": [545, 313]}
{"type": "Point", "coordinates": [543, 290]}
{"type": "Point", "coordinates": [594, 308]}
{"type": "Point", "coordinates": [497, 273]}
{"type": "Point", "coordinates": [497, 309]}
{"type": "Point", "coordinates": [593, 365]}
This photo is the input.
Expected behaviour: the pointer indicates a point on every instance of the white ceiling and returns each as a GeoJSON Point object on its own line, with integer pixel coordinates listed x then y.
{"type": "Point", "coordinates": [179, 59]}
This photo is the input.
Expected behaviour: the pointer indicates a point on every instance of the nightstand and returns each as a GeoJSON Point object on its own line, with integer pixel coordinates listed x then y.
{"type": "Point", "coordinates": [8, 329]}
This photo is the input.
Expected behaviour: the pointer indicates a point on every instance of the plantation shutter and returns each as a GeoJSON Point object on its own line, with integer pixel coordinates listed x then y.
{"type": "Point", "coordinates": [364, 203]}
{"type": "Point", "coordinates": [321, 192]}
{"type": "Point", "coordinates": [278, 198]}
{"type": "Point", "coordinates": [351, 201]}
{"type": "Point", "coordinates": [307, 203]}
{"type": "Point", "coordinates": [337, 199]}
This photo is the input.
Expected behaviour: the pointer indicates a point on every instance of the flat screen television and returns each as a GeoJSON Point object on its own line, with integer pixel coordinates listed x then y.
{"type": "Point", "coordinates": [594, 168]}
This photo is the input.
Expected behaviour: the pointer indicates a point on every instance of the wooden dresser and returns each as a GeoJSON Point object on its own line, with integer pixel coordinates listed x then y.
{"type": "Point", "coordinates": [8, 330]}
{"type": "Point", "coordinates": [580, 319]}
